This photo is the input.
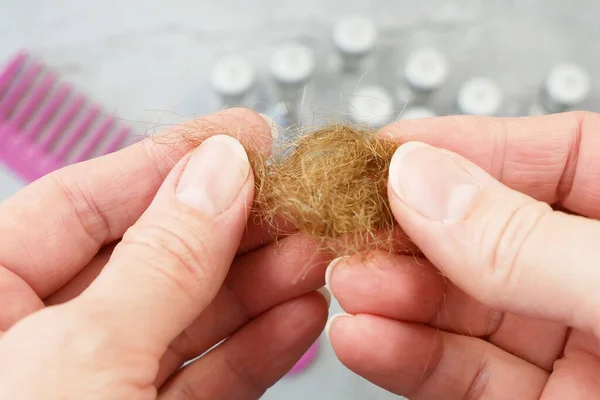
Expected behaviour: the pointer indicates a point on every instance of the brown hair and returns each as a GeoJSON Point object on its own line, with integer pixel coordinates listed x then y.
{"type": "Point", "coordinates": [329, 183]}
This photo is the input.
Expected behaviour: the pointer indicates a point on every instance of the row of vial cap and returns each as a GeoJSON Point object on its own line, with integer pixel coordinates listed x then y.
{"type": "Point", "coordinates": [425, 71]}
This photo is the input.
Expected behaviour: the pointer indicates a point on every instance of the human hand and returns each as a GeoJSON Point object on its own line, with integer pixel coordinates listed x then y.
{"type": "Point", "coordinates": [116, 271]}
{"type": "Point", "coordinates": [504, 301]}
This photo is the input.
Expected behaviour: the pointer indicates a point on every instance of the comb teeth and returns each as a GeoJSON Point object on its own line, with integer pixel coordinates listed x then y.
{"type": "Point", "coordinates": [36, 97]}
{"type": "Point", "coordinates": [12, 70]}
{"type": "Point", "coordinates": [45, 124]}
{"type": "Point", "coordinates": [17, 91]}
{"type": "Point", "coordinates": [88, 149]}
{"type": "Point", "coordinates": [70, 110]}
{"type": "Point", "coordinates": [46, 113]}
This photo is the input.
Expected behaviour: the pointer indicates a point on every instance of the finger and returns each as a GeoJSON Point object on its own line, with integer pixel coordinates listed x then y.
{"type": "Point", "coordinates": [408, 289]}
{"type": "Point", "coordinates": [502, 247]}
{"type": "Point", "coordinates": [422, 363]}
{"type": "Point", "coordinates": [83, 279]}
{"type": "Point", "coordinates": [256, 357]}
{"type": "Point", "coordinates": [17, 299]}
{"type": "Point", "coordinates": [58, 223]}
{"type": "Point", "coordinates": [575, 375]}
{"type": "Point", "coordinates": [412, 290]}
{"type": "Point", "coordinates": [256, 283]}
{"type": "Point", "coordinates": [261, 233]}
{"type": "Point", "coordinates": [86, 276]}
{"type": "Point", "coordinates": [551, 158]}
{"type": "Point", "coordinates": [537, 341]}
{"type": "Point", "coordinates": [170, 264]}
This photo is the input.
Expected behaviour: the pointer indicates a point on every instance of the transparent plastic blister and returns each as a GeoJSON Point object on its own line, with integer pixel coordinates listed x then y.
{"type": "Point", "coordinates": [355, 69]}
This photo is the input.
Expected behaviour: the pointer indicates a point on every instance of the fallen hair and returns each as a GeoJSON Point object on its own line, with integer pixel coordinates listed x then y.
{"type": "Point", "coordinates": [329, 183]}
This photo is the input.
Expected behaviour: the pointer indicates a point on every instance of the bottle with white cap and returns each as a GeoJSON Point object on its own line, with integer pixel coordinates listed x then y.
{"type": "Point", "coordinates": [480, 96]}
{"type": "Point", "coordinates": [565, 87]}
{"type": "Point", "coordinates": [372, 105]}
{"type": "Point", "coordinates": [233, 78]}
{"type": "Point", "coordinates": [355, 38]}
{"type": "Point", "coordinates": [292, 67]}
{"type": "Point", "coordinates": [426, 71]}
{"type": "Point", "coordinates": [416, 113]}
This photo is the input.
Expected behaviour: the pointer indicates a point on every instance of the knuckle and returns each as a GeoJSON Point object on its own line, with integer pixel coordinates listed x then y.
{"type": "Point", "coordinates": [90, 217]}
{"type": "Point", "coordinates": [173, 247]}
{"type": "Point", "coordinates": [479, 383]}
{"type": "Point", "coordinates": [251, 384]}
{"type": "Point", "coordinates": [584, 119]}
{"type": "Point", "coordinates": [186, 390]}
{"type": "Point", "coordinates": [502, 247]}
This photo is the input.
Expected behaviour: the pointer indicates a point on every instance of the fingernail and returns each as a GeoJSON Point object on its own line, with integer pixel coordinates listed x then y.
{"type": "Point", "coordinates": [330, 268]}
{"type": "Point", "coordinates": [331, 321]}
{"type": "Point", "coordinates": [431, 182]}
{"type": "Point", "coordinates": [326, 294]}
{"type": "Point", "coordinates": [272, 125]}
{"type": "Point", "coordinates": [214, 175]}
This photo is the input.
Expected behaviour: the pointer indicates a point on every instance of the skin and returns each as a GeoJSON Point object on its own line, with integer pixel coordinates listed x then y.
{"type": "Point", "coordinates": [112, 281]}
{"type": "Point", "coordinates": [503, 303]}
{"type": "Point", "coordinates": [109, 281]}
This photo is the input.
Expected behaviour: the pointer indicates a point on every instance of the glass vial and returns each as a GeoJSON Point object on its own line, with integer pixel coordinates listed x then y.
{"type": "Point", "coordinates": [565, 87]}
{"type": "Point", "coordinates": [354, 38]}
{"type": "Point", "coordinates": [292, 66]}
{"type": "Point", "coordinates": [372, 105]}
{"type": "Point", "coordinates": [233, 79]}
{"type": "Point", "coordinates": [426, 71]}
{"type": "Point", "coordinates": [480, 96]}
{"type": "Point", "coordinates": [416, 113]}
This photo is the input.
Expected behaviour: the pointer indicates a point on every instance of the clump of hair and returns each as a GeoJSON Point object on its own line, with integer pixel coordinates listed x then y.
{"type": "Point", "coordinates": [331, 184]}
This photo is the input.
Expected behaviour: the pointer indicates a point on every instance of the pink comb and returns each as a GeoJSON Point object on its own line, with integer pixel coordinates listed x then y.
{"type": "Point", "coordinates": [306, 360]}
{"type": "Point", "coordinates": [45, 125]}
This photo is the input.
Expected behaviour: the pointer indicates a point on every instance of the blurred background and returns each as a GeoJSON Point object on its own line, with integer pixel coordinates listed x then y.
{"type": "Point", "coordinates": [155, 63]}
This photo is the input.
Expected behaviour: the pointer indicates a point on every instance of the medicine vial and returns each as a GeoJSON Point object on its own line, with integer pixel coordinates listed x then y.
{"type": "Point", "coordinates": [292, 66]}
{"type": "Point", "coordinates": [480, 96]}
{"type": "Point", "coordinates": [233, 78]}
{"type": "Point", "coordinates": [372, 105]}
{"type": "Point", "coordinates": [355, 38]}
{"type": "Point", "coordinates": [565, 87]}
{"type": "Point", "coordinates": [426, 71]}
{"type": "Point", "coordinates": [416, 113]}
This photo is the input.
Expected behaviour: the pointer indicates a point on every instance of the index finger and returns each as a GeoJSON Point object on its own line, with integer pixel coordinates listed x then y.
{"type": "Point", "coordinates": [551, 158]}
{"type": "Point", "coordinates": [58, 223]}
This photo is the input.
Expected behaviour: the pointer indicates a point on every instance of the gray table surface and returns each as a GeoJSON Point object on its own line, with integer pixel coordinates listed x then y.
{"type": "Point", "coordinates": [148, 61]}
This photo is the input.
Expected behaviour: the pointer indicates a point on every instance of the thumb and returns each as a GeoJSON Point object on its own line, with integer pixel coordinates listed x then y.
{"type": "Point", "coordinates": [171, 263]}
{"type": "Point", "coordinates": [500, 246]}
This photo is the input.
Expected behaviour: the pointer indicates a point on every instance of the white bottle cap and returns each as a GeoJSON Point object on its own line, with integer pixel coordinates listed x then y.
{"type": "Point", "coordinates": [293, 64]}
{"type": "Point", "coordinates": [480, 96]}
{"type": "Point", "coordinates": [536, 109]}
{"type": "Point", "coordinates": [232, 76]}
{"type": "Point", "coordinates": [416, 113]}
{"type": "Point", "coordinates": [567, 85]}
{"type": "Point", "coordinates": [372, 105]}
{"type": "Point", "coordinates": [355, 35]}
{"type": "Point", "coordinates": [426, 70]}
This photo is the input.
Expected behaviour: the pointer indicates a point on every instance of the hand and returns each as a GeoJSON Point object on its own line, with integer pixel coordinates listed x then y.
{"type": "Point", "coordinates": [504, 303]}
{"type": "Point", "coordinates": [116, 271]}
